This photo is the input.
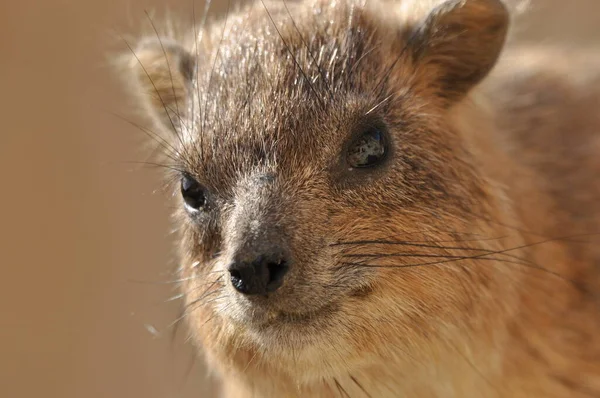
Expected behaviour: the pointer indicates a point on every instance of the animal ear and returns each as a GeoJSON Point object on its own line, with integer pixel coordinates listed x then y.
{"type": "Point", "coordinates": [460, 41]}
{"type": "Point", "coordinates": [161, 76]}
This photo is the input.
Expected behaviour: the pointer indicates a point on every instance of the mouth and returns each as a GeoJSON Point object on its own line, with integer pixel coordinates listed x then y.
{"type": "Point", "coordinates": [262, 313]}
{"type": "Point", "coordinates": [301, 318]}
{"type": "Point", "coordinates": [264, 318]}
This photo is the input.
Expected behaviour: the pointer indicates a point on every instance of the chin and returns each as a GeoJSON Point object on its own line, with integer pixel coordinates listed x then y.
{"type": "Point", "coordinates": [243, 337]}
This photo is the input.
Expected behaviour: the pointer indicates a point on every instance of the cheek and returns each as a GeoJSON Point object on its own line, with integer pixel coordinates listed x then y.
{"type": "Point", "coordinates": [433, 290]}
{"type": "Point", "coordinates": [415, 259]}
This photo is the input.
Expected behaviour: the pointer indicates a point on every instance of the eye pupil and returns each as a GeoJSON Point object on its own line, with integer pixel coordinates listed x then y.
{"type": "Point", "coordinates": [192, 192]}
{"type": "Point", "coordinates": [372, 159]}
{"type": "Point", "coordinates": [368, 150]}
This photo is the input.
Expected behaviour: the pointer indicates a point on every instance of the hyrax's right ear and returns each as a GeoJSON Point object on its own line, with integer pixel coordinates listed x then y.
{"type": "Point", "coordinates": [459, 42]}
{"type": "Point", "coordinates": [161, 75]}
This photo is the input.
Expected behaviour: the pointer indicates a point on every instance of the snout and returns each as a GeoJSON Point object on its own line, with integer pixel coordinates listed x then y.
{"type": "Point", "coordinates": [258, 272]}
{"type": "Point", "coordinates": [273, 267]}
{"type": "Point", "coordinates": [258, 249]}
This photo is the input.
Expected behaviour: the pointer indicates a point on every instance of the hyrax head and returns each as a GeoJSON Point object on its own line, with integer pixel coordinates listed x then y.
{"type": "Point", "coordinates": [318, 173]}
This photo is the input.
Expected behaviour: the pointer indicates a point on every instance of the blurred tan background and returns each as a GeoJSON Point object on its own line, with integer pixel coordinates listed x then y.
{"type": "Point", "coordinates": [84, 239]}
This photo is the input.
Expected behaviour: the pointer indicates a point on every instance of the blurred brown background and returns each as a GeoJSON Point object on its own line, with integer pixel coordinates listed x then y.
{"type": "Point", "coordinates": [83, 237]}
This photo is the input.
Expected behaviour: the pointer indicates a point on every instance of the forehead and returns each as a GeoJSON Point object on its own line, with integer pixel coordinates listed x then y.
{"type": "Point", "coordinates": [281, 83]}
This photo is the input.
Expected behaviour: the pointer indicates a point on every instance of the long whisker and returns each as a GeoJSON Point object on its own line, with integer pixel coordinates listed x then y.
{"type": "Point", "coordinates": [198, 35]}
{"type": "Point", "coordinates": [189, 308]}
{"type": "Point", "coordinates": [385, 76]}
{"type": "Point", "coordinates": [485, 256]}
{"type": "Point", "coordinates": [175, 281]}
{"type": "Point", "coordinates": [159, 165]}
{"type": "Point", "coordinates": [210, 78]}
{"type": "Point", "coordinates": [365, 263]}
{"type": "Point", "coordinates": [424, 255]}
{"type": "Point", "coordinates": [164, 105]}
{"type": "Point", "coordinates": [422, 245]}
{"type": "Point", "coordinates": [358, 62]}
{"type": "Point", "coordinates": [289, 50]}
{"type": "Point", "coordinates": [412, 243]}
{"type": "Point", "coordinates": [168, 66]}
{"type": "Point", "coordinates": [170, 150]}
{"type": "Point", "coordinates": [215, 314]}
{"type": "Point", "coordinates": [383, 101]}
{"type": "Point", "coordinates": [384, 241]}
{"type": "Point", "coordinates": [321, 72]}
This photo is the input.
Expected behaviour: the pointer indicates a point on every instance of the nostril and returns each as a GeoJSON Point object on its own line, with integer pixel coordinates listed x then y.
{"type": "Point", "coordinates": [277, 271]}
{"type": "Point", "coordinates": [261, 276]}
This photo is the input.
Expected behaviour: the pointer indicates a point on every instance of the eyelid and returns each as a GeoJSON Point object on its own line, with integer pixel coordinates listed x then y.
{"type": "Point", "coordinates": [190, 176]}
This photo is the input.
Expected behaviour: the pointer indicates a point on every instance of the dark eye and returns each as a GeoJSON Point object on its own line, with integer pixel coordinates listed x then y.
{"type": "Point", "coordinates": [368, 150]}
{"type": "Point", "coordinates": [193, 193]}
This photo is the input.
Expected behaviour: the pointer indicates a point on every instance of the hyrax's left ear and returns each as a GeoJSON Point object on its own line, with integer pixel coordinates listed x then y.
{"type": "Point", "coordinates": [459, 42]}
{"type": "Point", "coordinates": [161, 73]}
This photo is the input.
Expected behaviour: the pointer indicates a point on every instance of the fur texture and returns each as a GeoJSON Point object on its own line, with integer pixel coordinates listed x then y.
{"type": "Point", "coordinates": [465, 265]}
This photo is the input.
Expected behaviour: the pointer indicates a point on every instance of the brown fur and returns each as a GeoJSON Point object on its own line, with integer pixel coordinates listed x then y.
{"type": "Point", "coordinates": [465, 266]}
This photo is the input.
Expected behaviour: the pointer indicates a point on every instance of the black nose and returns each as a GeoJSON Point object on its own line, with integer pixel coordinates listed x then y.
{"type": "Point", "coordinates": [261, 276]}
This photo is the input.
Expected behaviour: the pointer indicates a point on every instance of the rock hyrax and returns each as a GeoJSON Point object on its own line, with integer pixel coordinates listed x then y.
{"type": "Point", "coordinates": [379, 200]}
